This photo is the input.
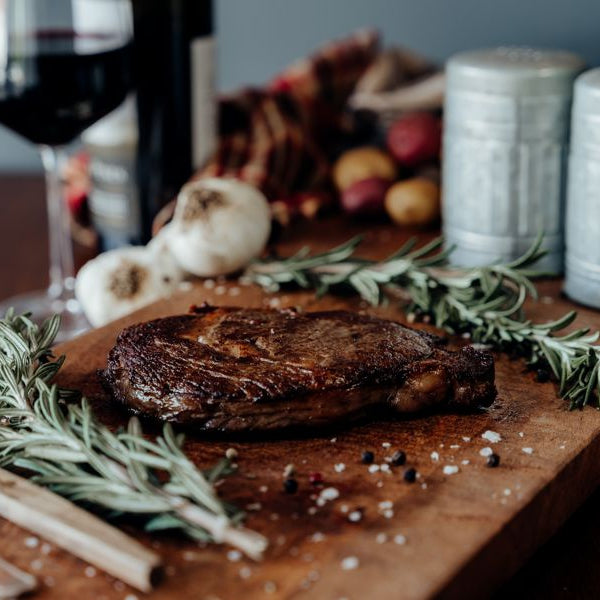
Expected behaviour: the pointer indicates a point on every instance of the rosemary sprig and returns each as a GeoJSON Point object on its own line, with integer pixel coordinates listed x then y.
{"type": "Point", "coordinates": [65, 448]}
{"type": "Point", "coordinates": [484, 302]}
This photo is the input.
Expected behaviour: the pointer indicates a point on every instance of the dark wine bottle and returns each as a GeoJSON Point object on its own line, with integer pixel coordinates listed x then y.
{"type": "Point", "coordinates": [173, 72]}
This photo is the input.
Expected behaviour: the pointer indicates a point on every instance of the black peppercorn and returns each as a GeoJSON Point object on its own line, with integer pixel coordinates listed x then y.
{"type": "Point", "coordinates": [493, 460]}
{"type": "Point", "coordinates": [290, 486]}
{"type": "Point", "coordinates": [410, 475]}
{"type": "Point", "coordinates": [367, 457]}
{"type": "Point", "coordinates": [398, 458]}
{"type": "Point", "coordinates": [542, 375]}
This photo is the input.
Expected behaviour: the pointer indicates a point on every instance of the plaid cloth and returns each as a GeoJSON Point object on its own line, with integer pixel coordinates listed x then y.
{"type": "Point", "coordinates": [281, 138]}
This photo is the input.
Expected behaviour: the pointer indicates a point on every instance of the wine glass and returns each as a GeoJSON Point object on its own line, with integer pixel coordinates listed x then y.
{"type": "Point", "coordinates": [64, 64]}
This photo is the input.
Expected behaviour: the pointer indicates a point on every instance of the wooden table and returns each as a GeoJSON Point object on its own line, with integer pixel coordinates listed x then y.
{"type": "Point", "coordinates": [564, 567]}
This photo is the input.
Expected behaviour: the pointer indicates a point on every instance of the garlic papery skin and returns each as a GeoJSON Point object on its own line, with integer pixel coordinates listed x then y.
{"type": "Point", "coordinates": [219, 226]}
{"type": "Point", "coordinates": [120, 281]}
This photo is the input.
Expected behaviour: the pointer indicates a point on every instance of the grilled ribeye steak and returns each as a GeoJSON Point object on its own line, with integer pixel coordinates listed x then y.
{"type": "Point", "coordinates": [234, 369]}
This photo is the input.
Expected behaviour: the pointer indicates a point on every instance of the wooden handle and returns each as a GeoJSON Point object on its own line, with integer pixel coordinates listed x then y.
{"type": "Point", "coordinates": [81, 533]}
{"type": "Point", "coordinates": [14, 582]}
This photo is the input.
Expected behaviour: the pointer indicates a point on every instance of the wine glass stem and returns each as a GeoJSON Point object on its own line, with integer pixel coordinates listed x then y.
{"type": "Point", "coordinates": [62, 276]}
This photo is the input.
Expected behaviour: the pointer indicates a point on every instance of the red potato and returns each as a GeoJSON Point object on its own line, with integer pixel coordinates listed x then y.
{"type": "Point", "coordinates": [415, 138]}
{"type": "Point", "coordinates": [365, 197]}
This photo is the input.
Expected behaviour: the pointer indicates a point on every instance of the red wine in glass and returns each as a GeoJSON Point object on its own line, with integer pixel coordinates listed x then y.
{"type": "Point", "coordinates": [64, 64]}
{"type": "Point", "coordinates": [61, 83]}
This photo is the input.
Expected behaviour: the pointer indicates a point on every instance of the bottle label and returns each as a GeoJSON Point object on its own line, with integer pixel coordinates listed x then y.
{"type": "Point", "coordinates": [204, 118]}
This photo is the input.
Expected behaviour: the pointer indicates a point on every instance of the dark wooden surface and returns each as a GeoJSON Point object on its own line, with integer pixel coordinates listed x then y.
{"type": "Point", "coordinates": [565, 567]}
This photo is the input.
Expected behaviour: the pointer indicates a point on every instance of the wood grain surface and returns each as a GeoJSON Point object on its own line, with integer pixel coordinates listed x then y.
{"type": "Point", "coordinates": [463, 533]}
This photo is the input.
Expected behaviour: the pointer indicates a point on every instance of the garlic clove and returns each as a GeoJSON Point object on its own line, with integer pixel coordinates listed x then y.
{"type": "Point", "coordinates": [219, 226]}
{"type": "Point", "coordinates": [120, 281]}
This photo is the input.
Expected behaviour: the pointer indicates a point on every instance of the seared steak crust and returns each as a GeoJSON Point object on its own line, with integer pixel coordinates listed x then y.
{"type": "Point", "coordinates": [233, 369]}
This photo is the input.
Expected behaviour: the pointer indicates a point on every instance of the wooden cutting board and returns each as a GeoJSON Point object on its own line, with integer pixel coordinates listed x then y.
{"type": "Point", "coordinates": [450, 536]}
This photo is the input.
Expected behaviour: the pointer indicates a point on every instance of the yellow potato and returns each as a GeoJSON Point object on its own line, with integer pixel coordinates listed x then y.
{"type": "Point", "coordinates": [362, 163]}
{"type": "Point", "coordinates": [414, 202]}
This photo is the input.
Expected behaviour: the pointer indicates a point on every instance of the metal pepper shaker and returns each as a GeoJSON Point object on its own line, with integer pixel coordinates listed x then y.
{"type": "Point", "coordinates": [506, 125]}
{"type": "Point", "coordinates": [582, 264]}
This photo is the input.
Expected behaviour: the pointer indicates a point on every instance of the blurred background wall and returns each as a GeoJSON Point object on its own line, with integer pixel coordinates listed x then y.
{"type": "Point", "coordinates": [256, 38]}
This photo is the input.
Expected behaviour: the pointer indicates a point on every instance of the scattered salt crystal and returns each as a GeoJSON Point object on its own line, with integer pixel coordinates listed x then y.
{"type": "Point", "coordinates": [466, 461]}
{"type": "Point", "coordinates": [209, 284]}
{"type": "Point", "coordinates": [423, 486]}
{"type": "Point", "coordinates": [231, 453]}
{"type": "Point", "coordinates": [373, 468]}
{"type": "Point", "coordinates": [333, 440]}
{"type": "Point", "coordinates": [435, 456]}
{"type": "Point", "coordinates": [254, 506]}
{"type": "Point", "coordinates": [400, 539]}
{"type": "Point", "coordinates": [385, 468]}
{"type": "Point", "coordinates": [36, 564]}
{"type": "Point", "coordinates": [339, 467]}
{"type": "Point", "coordinates": [521, 434]}
{"type": "Point", "coordinates": [450, 469]}
{"type": "Point", "coordinates": [46, 548]}
{"type": "Point", "coordinates": [562, 447]}
{"type": "Point", "coordinates": [386, 445]}
{"type": "Point", "coordinates": [344, 508]}
{"type": "Point", "coordinates": [386, 504]}
{"type": "Point", "coordinates": [487, 451]}
{"type": "Point", "coordinates": [388, 514]}
{"type": "Point", "coordinates": [185, 286]}
{"type": "Point", "coordinates": [235, 291]}
{"type": "Point", "coordinates": [245, 572]}
{"type": "Point", "coordinates": [263, 489]}
{"type": "Point", "coordinates": [289, 470]}
{"type": "Point", "coordinates": [131, 597]}
{"type": "Point", "coordinates": [350, 563]}
{"type": "Point", "coordinates": [329, 493]}
{"type": "Point", "coordinates": [234, 556]}
{"type": "Point", "coordinates": [491, 436]}
{"type": "Point", "coordinates": [90, 572]}
{"type": "Point", "coordinates": [381, 538]}
{"type": "Point", "coordinates": [379, 484]}
{"type": "Point", "coordinates": [317, 536]}
{"type": "Point", "coordinates": [32, 542]}
{"type": "Point", "coordinates": [312, 510]}
{"type": "Point", "coordinates": [49, 581]}
{"type": "Point", "coordinates": [270, 587]}
{"type": "Point", "coordinates": [528, 450]}
{"type": "Point", "coordinates": [454, 446]}
{"type": "Point", "coordinates": [441, 445]}
{"type": "Point", "coordinates": [507, 492]}
{"type": "Point", "coordinates": [466, 438]}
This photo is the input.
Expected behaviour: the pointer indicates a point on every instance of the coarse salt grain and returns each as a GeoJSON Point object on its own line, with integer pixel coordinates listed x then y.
{"type": "Point", "coordinates": [46, 548]}
{"type": "Point", "coordinates": [344, 508]}
{"type": "Point", "coordinates": [386, 504]}
{"type": "Point", "coordinates": [131, 597]}
{"type": "Point", "coordinates": [466, 438]}
{"type": "Point", "coordinates": [388, 514]}
{"type": "Point", "coordinates": [245, 572]}
{"type": "Point", "coordinates": [333, 440]}
{"type": "Point", "coordinates": [381, 538]}
{"type": "Point", "coordinates": [450, 469]}
{"type": "Point", "coordinates": [373, 468]}
{"type": "Point", "coordinates": [521, 434]}
{"type": "Point", "coordinates": [527, 450]}
{"type": "Point", "coordinates": [270, 587]}
{"type": "Point", "coordinates": [36, 564]}
{"type": "Point", "coordinates": [312, 510]}
{"type": "Point", "coordinates": [90, 572]}
{"type": "Point", "coordinates": [329, 493]}
{"type": "Point", "coordinates": [339, 467]}
{"type": "Point", "coordinates": [263, 489]}
{"type": "Point", "coordinates": [385, 468]}
{"type": "Point", "coordinates": [466, 461]}
{"type": "Point", "coordinates": [350, 563]}
{"type": "Point", "coordinates": [32, 542]}
{"type": "Point", "coordinates": [234, 556]}
{"type": "Point", "coordinates": [49, 581]}
{"type": "Point", "coordinates": [435, 456]}
{"type": "Point", "coordinates": [507, 492]}
{"type": "Point", "coordinates": [235, 291]}
{"type": "Point", "coordinates": [209, 284]}
{"type": "Point", "coordinates": [386, 445]}
{"type": "Point", "coordinates": [487, 451]}
{"type": "Point", "coordinates": [400, 539]}
{"type": "Point", "coordinates": [491, 436]}
{"type": "Point", "coordinates": [254, 506]}
{"type": "Point", "coordinates": [317, 536]}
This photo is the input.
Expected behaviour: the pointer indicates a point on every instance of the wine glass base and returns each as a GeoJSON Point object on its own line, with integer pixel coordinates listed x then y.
{"type": "Point", "coordinates": [42, 305]}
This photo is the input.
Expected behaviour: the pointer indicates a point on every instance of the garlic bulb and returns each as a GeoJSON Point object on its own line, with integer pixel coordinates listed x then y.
{"type": "Point", "coordinates": [219, 226]}
{"type": "Point", "coordinates": [120, 281]}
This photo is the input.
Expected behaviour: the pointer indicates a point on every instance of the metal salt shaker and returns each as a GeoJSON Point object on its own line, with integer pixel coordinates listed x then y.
{"type": "Point", "coordinates": [506, 125]}
{"type": "Point", "coordinates": [583, 194]}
